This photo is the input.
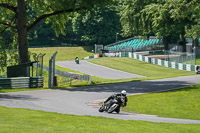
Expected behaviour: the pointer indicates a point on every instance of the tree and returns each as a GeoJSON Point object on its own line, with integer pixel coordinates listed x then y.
{"type": "Point", "coordinates": [162, 18]}
{"type": "Point", "coordinates": [187, 12]}
{"type": "Point", "coordinates": [97, 27]}
{"type": "Point", "coordinates": [160, 22]}
{"type": "Point", "coordinates": [22, 15]}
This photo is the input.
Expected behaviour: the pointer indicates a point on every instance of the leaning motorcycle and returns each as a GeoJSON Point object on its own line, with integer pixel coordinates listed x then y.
{"type": "Point", "coordinates": [112, 106]}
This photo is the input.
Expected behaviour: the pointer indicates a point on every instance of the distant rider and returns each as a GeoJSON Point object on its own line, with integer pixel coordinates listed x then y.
{"type": "Point", "coordinates": [198, 69]}
{"type": "Point", "coordinates": [77, 60]}
{"type": "Point", "coordinates": [118, 97]}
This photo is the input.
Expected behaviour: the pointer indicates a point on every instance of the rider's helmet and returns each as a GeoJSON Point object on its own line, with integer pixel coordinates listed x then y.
{"type": "Point", "coordinates": [123, 92]}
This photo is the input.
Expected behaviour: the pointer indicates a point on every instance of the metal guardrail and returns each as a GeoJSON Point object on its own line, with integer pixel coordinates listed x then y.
{"type": "Point", "coordinates": [71, 75]}
{"type": "Point", "coordinates": [74, 76]}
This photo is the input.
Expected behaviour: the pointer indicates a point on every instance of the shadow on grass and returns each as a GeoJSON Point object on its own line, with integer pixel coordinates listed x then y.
{"type": "Point", "coordinates": [194, 87]}
{"type": "Point", "coordinates": [88, 48]}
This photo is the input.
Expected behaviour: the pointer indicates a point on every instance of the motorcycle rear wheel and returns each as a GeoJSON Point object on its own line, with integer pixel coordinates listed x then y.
{"type": "Point", "coordinates": [113, 108]}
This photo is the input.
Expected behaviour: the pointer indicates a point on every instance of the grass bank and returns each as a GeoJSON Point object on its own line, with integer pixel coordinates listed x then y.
{"type": "Point", "coordinates": [124, 64]}
{"type": "Point", "coordinates": [64, 53]}
{"type": "Point", "coordinates": [181, 103]}
{"type": "Point", "coordinates": [130, 65]}
{"type": "Point", "coordinates": [24, 120]}
{"type": "Point", "coordinates": [198, 60]}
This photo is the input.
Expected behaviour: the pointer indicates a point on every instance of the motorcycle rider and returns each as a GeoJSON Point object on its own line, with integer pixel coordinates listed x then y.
{"type": "Point", "coordinates": [118, 96]}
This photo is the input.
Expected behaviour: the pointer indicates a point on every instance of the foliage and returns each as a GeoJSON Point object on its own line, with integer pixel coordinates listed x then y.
{"type": "Point", "coordinates": [22, 15]}
{"type": "Point", "coordinates": [187, 12]}
{"type": "Point", "coordinates": [161, 18]}
{"type": "Point", "coordinates": [144, 17]}
{"type": "Point", "coordinates": [183, 103]}
{"type": "Point", "coordinates": [98, 26]}
{"type": "Point", "coordinates": [3, 56]}
{"type": "Point", "coordinates": [8, 56]}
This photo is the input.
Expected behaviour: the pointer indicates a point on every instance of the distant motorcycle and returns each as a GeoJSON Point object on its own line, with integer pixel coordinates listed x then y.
{"type": "Point", "coordinates": [198, 69]}
{"type": "Point", "coordinates": [113, 105]}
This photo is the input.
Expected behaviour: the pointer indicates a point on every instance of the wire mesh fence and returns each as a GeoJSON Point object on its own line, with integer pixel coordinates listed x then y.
{"type": "Point", "coordinates": [180, 57]}
{"type": "Point", "coordinates": [73, 75]}
{"type": "Point", "coordinates": [67, 78]}
{"type": "Point", "coordinates": [51, 69]}
{"type": "Point", "coordinates": [68, 81]}
{"type": "Point", "coordinates": [39, 68]}
{"type": "Point", "coordinates": [61, 78]}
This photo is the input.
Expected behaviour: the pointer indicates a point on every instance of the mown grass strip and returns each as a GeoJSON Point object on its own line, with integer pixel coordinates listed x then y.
{"type": "Point", "coordinates": [24, 120]}
{"type": "Point", "coordinates": [181, 103]}
{"type": "Point", "coordinates": [123, 64]}
{"type": "Point", "coordinates": [141, 68]}
{"type": "Point", "coordinates": [64, 53]}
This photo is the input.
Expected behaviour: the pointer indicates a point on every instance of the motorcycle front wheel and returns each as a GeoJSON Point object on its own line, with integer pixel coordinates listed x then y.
{"type": "Point", "coordinates": [101, 109]}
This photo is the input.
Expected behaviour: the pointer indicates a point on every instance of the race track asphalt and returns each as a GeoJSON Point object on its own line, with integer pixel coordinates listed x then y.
{"type": "Point", "coordinates": [85, 100]}
{"type": "Point", "coordinates": [96, 70]}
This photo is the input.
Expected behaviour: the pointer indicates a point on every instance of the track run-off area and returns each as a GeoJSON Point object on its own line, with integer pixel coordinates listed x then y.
{"type": "Point", "coordinates": [85, 100]}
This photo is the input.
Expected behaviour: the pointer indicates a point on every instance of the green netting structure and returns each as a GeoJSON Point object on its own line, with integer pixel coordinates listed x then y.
{"type": "Point", "coordinates": [189, 40]}
{"type": "Point", "coordinates": [133, 44]}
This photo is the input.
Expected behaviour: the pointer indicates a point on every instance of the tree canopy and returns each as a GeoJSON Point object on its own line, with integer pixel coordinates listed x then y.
{"type": "Point", "coordinates": [98, 26]}
{"type": "Point", "coordinates": [161, 17]}
{"type": "Point", "coordinates": [96, 21]}
{"type": "Point", "coordinates": [21, 16]}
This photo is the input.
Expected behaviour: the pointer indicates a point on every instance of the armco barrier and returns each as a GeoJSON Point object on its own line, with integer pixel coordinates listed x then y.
{"type": "Point", "coordinates": [180, 66]}
{"type": "Point", "coordinates": [71, 75]}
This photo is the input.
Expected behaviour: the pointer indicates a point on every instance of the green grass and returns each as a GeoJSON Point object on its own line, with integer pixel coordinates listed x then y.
{"type": "Point", "coordinates": [16, 90]}
{"type": "Point", "coordinates": [64, 53]}
{"type": "Point", "coordinates": [198, 60]}
{"type": "Point", "coordinates": [24, 120]}
{"type": "Point", "coordinates": [182, 103]}
{"type": "Point", "coordinates": [141, 68]}
{"type": "Point", "coordinates": [132, 66]}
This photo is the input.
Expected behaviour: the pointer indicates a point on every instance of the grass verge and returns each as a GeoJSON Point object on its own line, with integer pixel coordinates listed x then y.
{"type": "Point", "coordinates": [132, 66]}
{"type": "Point", "coordinates": [181, 103]}
{"type": "Point", "coordinates": [198, 60]}
{"type": "Point", "coordinates": [24, 120]}
{"type": "Point", "coordinates": [64, 53]}
{"type": "Point", "coordinates": [138, 67]}
{"type": "Point", "coordinates": [16, 90]}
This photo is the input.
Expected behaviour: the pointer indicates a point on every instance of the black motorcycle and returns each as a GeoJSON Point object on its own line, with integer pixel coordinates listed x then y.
{"type": "Point", "coordinates": [113, 105]}
{"type": "Point", "coordinates": [198, 69]}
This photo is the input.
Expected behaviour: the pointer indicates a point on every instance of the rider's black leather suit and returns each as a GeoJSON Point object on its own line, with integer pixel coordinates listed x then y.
{"type": "Point", "coordinates": [116, 96]}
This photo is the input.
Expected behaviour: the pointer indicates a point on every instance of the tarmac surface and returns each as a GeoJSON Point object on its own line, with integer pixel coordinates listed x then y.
{"type": "Point", "coordinates": [96, 70]}
{"type": "Point", "coordinates": [85, 100]}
